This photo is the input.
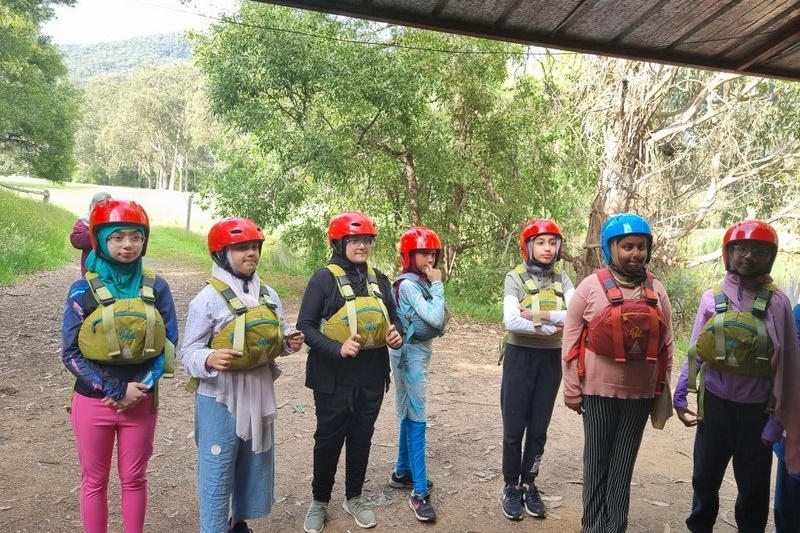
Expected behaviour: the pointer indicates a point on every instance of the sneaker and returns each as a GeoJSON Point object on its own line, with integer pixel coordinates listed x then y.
{"type": "Point", "coordinates": [534, 505]}
{"type": "Point", "coordinates": [356, 508]}
{"type": "Point", "coordinates": [238, 527]}
{"type": "Point", "coordinates": [315, 517]}
{"type": "Point", "coordinates": [421, 505]}
{"type": "Point", "coordinates": [512, 502]}
{"type": "Point", "coordinates": [406, 481]}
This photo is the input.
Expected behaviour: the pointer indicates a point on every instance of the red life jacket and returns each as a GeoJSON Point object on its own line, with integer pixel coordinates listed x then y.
{"type": "Point", "coordinates": [628, 329]}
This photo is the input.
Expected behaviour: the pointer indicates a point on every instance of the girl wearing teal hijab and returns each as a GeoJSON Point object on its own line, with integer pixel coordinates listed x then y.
{"type": "Point", "coordinates": [114, 401]}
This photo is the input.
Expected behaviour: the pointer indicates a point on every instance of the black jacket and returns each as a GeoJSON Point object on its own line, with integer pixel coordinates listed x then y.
{"type": "Point", "coordinates": [325, 365]}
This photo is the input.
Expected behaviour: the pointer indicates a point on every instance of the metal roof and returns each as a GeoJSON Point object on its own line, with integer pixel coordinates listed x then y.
{"type": "Point", "coordinates": [756, 37]}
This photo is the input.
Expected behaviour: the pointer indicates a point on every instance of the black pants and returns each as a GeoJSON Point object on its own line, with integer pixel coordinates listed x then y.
{"type": "Point", "coordinates": [731, 430]}
{"type": "Point", "coordinates": [347, 416]}
{"type": "Point", "coordinates": [528, 392]}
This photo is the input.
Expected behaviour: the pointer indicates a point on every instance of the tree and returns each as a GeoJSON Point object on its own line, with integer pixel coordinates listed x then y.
{"type": "Point", "coordinates": [410, 126]}
{"type": "Point", "coordinates": [39, 108]}
{"type": "Point", "coordinates": [684, 148]}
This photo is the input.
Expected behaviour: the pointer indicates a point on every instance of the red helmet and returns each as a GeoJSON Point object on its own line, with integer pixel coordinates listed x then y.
{"type": "Point", "coordinates": [536, 227]}
{"type": "Point", "coordinates": [350, 223]}
{"type": "Point", "coordinates": [418, 238]}
{"type": "Point", "coordinates": [112, 211]}
{"type": "Point", "coordinates": [750, 230]}
{"type": "Point", "coordinates": [233, 230]}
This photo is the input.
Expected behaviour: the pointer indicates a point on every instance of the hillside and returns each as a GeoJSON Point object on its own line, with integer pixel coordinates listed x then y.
{"type": "Point", "coordinates": [87, 61]}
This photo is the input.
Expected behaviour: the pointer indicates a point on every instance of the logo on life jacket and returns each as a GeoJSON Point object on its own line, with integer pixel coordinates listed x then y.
{"type": "Point", "coordinates": [122, 331]}
{"type": "Point", "coordinates": [256, 332]}
{"type": "Point", "coordinates": [363, 315]}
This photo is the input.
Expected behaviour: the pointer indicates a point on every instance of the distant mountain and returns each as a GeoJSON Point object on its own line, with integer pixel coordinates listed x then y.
{"type": "Point", "coordinates": [90, 60]}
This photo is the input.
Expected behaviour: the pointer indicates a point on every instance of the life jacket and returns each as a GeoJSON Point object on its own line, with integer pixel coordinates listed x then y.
{"type": "Point", "coordinates": [734, 342]}
{"type": "Point", "coordinates": [416, 329]}
{"type": "Point", "coordinates": [627, 329]}
{"type": "Point", "coordinates": [122, 331]}
{"type": "Point", "coordinates": [365, 315]}
{"type": "Point", "coordinates": [537, 300]}
{"type": "Point", "coordinates": [256, 332]}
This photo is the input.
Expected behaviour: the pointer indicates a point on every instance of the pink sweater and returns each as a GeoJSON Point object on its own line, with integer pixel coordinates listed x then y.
{"type": "Point", "coordinates": [604, 376]}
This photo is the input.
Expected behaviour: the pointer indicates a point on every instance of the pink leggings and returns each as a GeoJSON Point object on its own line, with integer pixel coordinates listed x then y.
{"type": "Point", "coordinates": [95, 427]}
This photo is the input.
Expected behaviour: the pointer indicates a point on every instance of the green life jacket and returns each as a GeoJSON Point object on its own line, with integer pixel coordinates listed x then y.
{"type": "Point", "coordinates": [733, 342]}
{"type": "Point", "coordinates": [537, 300]}
{"type": "Point", "coordinates": [122, 331]}
{"type": "Point", "coordinates": [256, 332]}
{"type": "Point", "coordinates": [416, 329]}
{"type": "Point", "coordinates": [365, 315]}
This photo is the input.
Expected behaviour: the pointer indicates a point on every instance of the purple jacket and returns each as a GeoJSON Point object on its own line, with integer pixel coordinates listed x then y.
{"type": "Point", "coordinates": [779, 321]}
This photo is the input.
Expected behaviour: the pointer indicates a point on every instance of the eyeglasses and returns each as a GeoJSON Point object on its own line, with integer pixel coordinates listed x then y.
{"type": "Point", "coordinates": [367, 240]}
{"type": "Point", "coordinates": [118, 238]}
{"type": "Point", "coordinates": [754, 252]}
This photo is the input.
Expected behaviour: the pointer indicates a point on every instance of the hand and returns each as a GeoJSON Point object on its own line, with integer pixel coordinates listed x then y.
{"type": "Point", "coordinates": [687, 416]}
{"type": "Point", "coordinates": [351, 346]}
{"type": "Point", "coordinates": [575, 406]}
{"type": "Point", "coordinates": [525, 312]}
{"type": "Point", "coordinates": [393, 337]}
{"type": "Point", "coordinates": [134, 393]}
{"type": "Point", "coordinates": [221, 359]}
{"type": "Point", "coordinates": [296, 342]}
{"type": "Point", "coordinates": [433, 274]}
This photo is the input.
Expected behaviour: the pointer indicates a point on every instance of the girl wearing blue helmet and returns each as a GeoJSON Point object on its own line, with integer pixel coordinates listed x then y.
{"type": "Point", "coordinates": [617, 352]}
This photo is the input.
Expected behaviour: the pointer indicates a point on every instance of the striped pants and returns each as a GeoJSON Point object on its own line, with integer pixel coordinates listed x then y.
{"type": "Point", "coordinates": [613, 429]}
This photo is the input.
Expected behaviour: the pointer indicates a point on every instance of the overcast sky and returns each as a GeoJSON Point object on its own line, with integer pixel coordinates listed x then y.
{"type": "Point", "coordinates": [96, 21]}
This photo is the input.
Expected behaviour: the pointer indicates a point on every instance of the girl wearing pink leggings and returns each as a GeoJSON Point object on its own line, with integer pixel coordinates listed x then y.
{"type": "Point", "coordinates": [118, 340]}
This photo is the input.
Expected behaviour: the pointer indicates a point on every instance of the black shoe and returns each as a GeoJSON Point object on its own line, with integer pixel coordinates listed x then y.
{"type": "Point", "coordinates": [421, 505]}
{"type": "Point", "coordinates": [512, 502]}
{"type": "Point", "coordinates": [534, 505]}
{"type": "Point", "coordinates": [238, 527]}
{"type": "Point", "coordinates": [405, 481]}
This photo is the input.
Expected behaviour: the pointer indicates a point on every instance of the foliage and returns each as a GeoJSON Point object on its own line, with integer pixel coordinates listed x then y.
{"type": "Point", "coordinates": [34, 236]}
{"type": "Point", "coordinates": [415, 128]}
{"type": "Point", "coordinates": [85, 61]}
{"type": "Point", "coordinates": [38, 106]}
{"type": "Point", "coordinates": [147, 128]}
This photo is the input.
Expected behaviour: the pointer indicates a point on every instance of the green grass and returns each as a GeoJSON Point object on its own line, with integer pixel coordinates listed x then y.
{"type": "Point", "coordinates": [34, 236]}
{"type": "Point", "coordinates": [179, 246]}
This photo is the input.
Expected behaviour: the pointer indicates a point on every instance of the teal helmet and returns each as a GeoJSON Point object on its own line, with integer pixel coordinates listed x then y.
{"type": "Point", "coordinates": [621, 225]}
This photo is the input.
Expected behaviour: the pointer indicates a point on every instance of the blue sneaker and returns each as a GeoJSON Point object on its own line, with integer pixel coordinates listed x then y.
{"type": "Point", "coordinates": [512, 502]}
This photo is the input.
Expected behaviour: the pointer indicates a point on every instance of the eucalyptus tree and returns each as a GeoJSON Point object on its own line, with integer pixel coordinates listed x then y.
{"type": "Point", "coordinates": [685, 148]}
{"type": "Point", "coordinates": [38, 105]}
{"type": "Point", "coordinates": [409, 126]}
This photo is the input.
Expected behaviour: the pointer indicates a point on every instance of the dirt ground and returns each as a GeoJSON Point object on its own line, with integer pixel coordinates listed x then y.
{"type": "Point", "coordinates": [39, 474]}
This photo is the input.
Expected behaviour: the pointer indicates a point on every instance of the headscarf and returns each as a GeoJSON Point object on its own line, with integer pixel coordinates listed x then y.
{"type": "Point", "coordinates": [123, 280]}
{"type": "Point", "coordinates": [622, 276]}
{"type": "Point", "coordinates": [357, 273]}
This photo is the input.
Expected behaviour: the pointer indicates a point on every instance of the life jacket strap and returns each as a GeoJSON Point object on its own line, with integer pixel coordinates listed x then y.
{"type": "Point", "coordinates": [239, 309]}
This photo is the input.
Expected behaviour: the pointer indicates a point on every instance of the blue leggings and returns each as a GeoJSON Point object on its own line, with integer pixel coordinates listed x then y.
{"type": "Point", "coordinates": [411, 454]}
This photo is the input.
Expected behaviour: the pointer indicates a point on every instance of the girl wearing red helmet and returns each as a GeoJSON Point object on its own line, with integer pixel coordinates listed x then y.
{"type": "Point", "coordinates": [419, 295]}
{"type": "Point", "coordinates": [747, 403]}
{"type": "Point", "coordinates": [536, 295]}
{"type": "Point", "coordinates": [116, 362]}
{"type": "Point", "coordinates": [234, 373]}
{"type": "Point", "coordinates": [349, 319]}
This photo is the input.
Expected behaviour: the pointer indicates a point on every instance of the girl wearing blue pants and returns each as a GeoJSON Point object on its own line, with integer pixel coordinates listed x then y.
{"type": "Point", "coordinates": [419, 295]}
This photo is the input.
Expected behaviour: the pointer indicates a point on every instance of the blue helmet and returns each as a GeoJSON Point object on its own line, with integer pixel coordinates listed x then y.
{"type": "Point", "coordinates": [624, 224]}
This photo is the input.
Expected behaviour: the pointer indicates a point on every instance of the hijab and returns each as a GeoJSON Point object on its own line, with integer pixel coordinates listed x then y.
{"type": "Point", "coordinates": [123, 280]}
